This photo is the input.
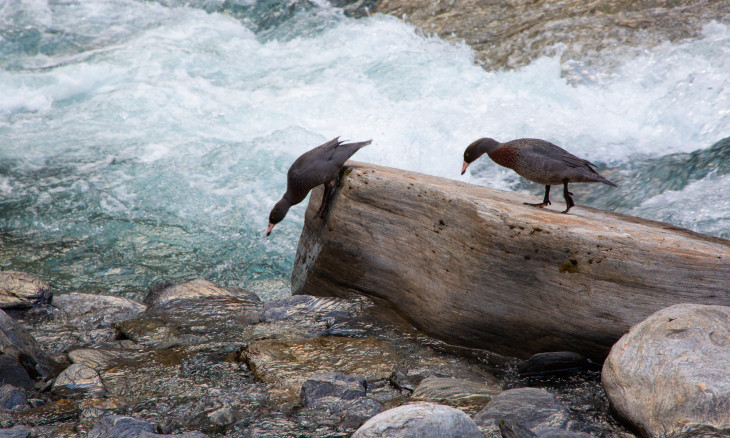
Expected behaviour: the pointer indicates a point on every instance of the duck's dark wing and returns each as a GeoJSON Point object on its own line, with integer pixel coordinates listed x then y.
{"type": "Point", "coordinates": [319, 166]}
{"type": "Point", "coordinates": [556, 153]}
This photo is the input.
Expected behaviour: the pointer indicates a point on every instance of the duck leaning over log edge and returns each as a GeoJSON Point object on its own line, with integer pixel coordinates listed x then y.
{"type": "Point", "coordinates": [536, 160]}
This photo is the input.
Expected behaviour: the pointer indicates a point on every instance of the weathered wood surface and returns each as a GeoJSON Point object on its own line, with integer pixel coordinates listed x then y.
{"type": "Point", "coordinates": [474, 267]}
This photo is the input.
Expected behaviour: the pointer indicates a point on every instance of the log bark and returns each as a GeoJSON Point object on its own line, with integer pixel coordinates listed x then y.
{"type": "Point", "coordinates": [475, 267]}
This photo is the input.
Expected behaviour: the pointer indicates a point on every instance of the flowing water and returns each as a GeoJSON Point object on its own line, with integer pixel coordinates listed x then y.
{"type": "Point", "coordinates": [143, 141]}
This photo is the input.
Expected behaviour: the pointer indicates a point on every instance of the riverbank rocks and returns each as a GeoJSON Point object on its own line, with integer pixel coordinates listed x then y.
{"type": "Point", "coordinates": [423, 420]}
{"type": "Point", "coordinates": [288, 364]}
{"type": "Point", "coordinates": [19, 346]}
{"type": "Point", "coordinates": [19, 290]}
{"type": "Point", "coordinates": [116, 426]}
{"type": "Point", "coordinates": [78, 378]}
{"type": "Point", "coordinates": [192, 313]}
{"type": "Point", "coordinates": [670, 373]}
{"type": "Point", "coordinates": [467, 394]}
{"type": "Point", "coordinates": [531, 408]}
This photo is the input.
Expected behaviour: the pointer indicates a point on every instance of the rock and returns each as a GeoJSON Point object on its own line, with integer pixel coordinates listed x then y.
{"type": "Point", "coordinates": [510, 429]}
{"type": "Point", "coordinates": [288, 364]}
{"type": "Point", "coordinates": [423, 420]}
{"type": "Point", "coordinates": [19, 290]}
{"type": "Point", "coordinates": [669, 373]}
{"type": "Point", "coordinates": [13, 398]}
{"type": "Point", "coordinates": [494, 274]}
{"type": "Point", "coordinates": [455, 392]}
{"type": "Point", "coordinates": [94, 311]}
{"type": "Point", "coordinates": [335, 385]}
{"type": "Point", "coordinates": [554, 363]}
{"type": "Point", "coordinates": [78, 378]}
{"type": "Point", "coordinates": [13, 373]}
{"type": "Point", "coordinates": [195, 312]}
{"type": "Point", "coordinates": [304, 305]}
{"type": "Point", "coordinates": [98, 359]}
{"type": "Point", "coordinates": [115, 426]}
{"type": "Point", "coordinates": [19, 345]}
{"type": "Point", "coordinates": [531, 408]}
{"type": "Point", "coordinates": [434, 366]}
{"type": "Point", "coordinates": [15, 432]}
{"type": "Point", "coordinates": [554, 432]}
{"type": "Point", "coordinates": [512, 34]}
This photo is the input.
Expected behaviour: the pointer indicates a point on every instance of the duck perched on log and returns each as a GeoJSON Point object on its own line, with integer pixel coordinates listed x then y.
{"type": "Point", "coordinates": [539, 161]}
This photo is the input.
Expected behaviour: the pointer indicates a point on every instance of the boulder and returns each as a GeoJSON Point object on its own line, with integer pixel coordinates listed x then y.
{"type": "Point", "coordinates": [455, 392]}
{"type": "Point", "coordinates": [334, 385]}
{"type": "Point", "coordinates": [475, 267]}
{"type": "Point", "coordinates": [78, 378]}
{"type": "Point", "coordinates": [531, 408]}
{"type": "Point", "coordinates": [19, 290]}
{"type": "Point", "coordinates": [15, 432]}
{"type": "Point", "coordinates": [288, 364]}
{"type": "Point", "coordinates": [194, 312]}
{"type": "Point", "coordinates": [423, 420]}
{"type": "Point", "coordinates": [89, 311]}
{"type": "Point", "coordinates": [19, 345]}
{"type": "Point", "coordinates": [13, 399]}
{"type": "Point", "coordinates": [670, 374]}
{"type": "Point", "coordinates": [116, 426]}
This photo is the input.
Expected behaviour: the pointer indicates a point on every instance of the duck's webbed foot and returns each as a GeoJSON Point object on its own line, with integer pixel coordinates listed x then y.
{"type": "Point", "coordinates": [568, 197]}
{"type": "Point", "coordinates": [326, 196]}
{"type": "Point", "coordinates": [545, 202]}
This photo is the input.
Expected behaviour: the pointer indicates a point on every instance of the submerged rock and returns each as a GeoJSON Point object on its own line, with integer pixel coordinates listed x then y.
{"type": "Point", "coordinates": [15, 432]}
{"type": "Point", "coordinates": [669, 373]}
{"type": "Point", "coordinates": [288, 364]}
{"type": "Point", "coordinates": [553, 363]}
{"type": "Point", "coordinates": [531, 408]}
{"type": "Point", "coordinates": [195, 312]}
{"type": "Point", "coordinates": [423, 420]}
{"type": "Point", "coordinates": [19, 290]}
{"type": "Point", "coordinates": [455, 392]}
{"type": "Point", "coordinates": [335, 385]}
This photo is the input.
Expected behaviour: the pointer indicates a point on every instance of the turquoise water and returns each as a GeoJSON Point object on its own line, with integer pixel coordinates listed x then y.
{"type": "Point", "coordinates": [144, 141]}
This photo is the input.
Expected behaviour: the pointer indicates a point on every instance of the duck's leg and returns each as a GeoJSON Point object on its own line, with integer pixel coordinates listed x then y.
{"type": "Point", "coordinates": [568, 197]}
{"type": "Point", "coordinates": [545, 201]}
{"type": "Point", "coordinates": [328, 187]}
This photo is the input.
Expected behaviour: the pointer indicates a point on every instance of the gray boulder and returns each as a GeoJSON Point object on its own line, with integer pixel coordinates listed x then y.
{"type": "Point", "coordinates": [532, 408]}
{"type": "Point", "coordinates": [19, 290]}
{"type": "Point", "coordinates": [15, 432]}
{"type": "Point", "coordinates": [93, 311]}
{"type": "Point", "coordinates": [78, 377]}
{"type": "Point", "coordinates": [423, 420]}
{"type": "Point", "coordinates": [19, 345]}
{"type": "Point", "coordinates": [455, 392]}
{"type": "Point", "coordinates": [334, 385]}
{"type": "Point", "coordinates": [670, 373]}
{"type": "Point", "coordinates": [13, 398]}
{"type": "Point", "coordinates": [116, 426]}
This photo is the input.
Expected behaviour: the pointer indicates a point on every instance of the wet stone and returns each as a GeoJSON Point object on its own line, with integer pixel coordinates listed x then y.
{"type": "Point", "coordinates": [531, 408]}
{"type": "Point", "coordinates": [196, 312]}
{"type": "Point", "coordinates": [20, 345]}
{"type": "Point", "coordinates": [98, 359]}
{"type": "Point", "coordinates": [555, 363]}
{"type": "Point", "coordinates": [91, 311]}
{"type": "Point", "coordinates": [467, 394]}
{"type": "Point", "coordinates": [13, 373]}
{"type": "Point", "coordinates": [115, 426]}
{"type": "Point", "coordinates": [424, 420]}
{"type": "Point", "coordinates": [288, 364]}
{"type": "Point", "coordinates": [15, 432]}
{"type": "Point", "coordinates": [19, 290]}
{"type": "Point", "coordinates": [409, 377]}
{"type": "Point", "coordinates": [333, 385]}
{"type": "Point", "coordinates": [13, 398]}
{"type": "Point", "coordinates": [78, 378]}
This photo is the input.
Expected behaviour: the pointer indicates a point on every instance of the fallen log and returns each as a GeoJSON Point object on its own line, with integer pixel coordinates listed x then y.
{"type": "Point", "coordinates": [475, 267]}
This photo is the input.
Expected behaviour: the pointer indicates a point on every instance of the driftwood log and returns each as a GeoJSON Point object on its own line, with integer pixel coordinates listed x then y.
{"type": "Point", "coordinates": [474, 267]}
